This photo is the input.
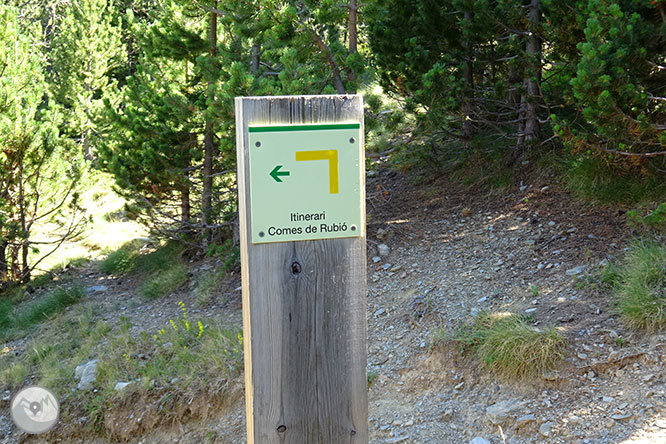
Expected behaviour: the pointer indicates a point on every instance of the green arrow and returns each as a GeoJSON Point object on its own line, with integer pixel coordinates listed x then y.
{"type": "Point", "coordinates": [276, 173]}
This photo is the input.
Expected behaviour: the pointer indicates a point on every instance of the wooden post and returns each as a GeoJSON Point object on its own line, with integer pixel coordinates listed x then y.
{"type": "Point", "coordinates": [304, 305]}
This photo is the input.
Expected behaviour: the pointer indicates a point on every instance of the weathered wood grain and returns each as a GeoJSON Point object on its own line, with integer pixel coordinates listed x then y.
{"type": "Point", "coordinates": [305, 332]}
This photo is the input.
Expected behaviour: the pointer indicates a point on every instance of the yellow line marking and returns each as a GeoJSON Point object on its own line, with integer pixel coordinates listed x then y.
{"type": "Point", "coordinates": [332, 157]}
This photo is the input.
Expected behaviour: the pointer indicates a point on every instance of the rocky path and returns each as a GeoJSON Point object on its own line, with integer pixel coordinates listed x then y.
{"type": "Point", "coordinates": [450, 258]}
{"type": "Point", "coordinates": [438, 256]}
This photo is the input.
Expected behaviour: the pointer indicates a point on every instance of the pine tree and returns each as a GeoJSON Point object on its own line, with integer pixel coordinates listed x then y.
{"type": "Point", "coordinates": [619, 81]}
{"type": "Point", "coordinates": [153, 142]}
{"type": "Point", "coordinates": [87, 49]}
{"type": "Point", "coordinates": [36, 173]}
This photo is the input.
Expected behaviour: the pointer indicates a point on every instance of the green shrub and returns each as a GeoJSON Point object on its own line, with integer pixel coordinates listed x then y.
{"type": "Point", "coordinates": [228, 252]}
{"type": "Point", "coordinates": [509, 346]}
{"type": "Point", "coordinates": [648, 220]}
{"type": "Point", "coordinates": [640, 293]}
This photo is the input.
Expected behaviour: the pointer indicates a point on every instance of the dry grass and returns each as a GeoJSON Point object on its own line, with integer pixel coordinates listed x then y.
{"type": "Point", "coordinates": [510, 346]}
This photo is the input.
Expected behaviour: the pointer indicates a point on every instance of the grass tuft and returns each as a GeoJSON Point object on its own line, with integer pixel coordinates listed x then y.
{"type": "Point", "coordinates": [594, 179]}
{"type": "Point", "coordinates": [122, 260]}
{"type": "Point", "coordinates": [208, 286]}
{"type": "Point", "coordinates": [16, 320]}
{"type": "Point", "coordinates": [163, 282]}
{"type": "Point", "coordinates": [509, 346]}
{"type": "Point", "coordinates": [640, 290]}
{"type": "Point", "coordinates": [6, 314]}
{"type": "Point", "coordinates": [162, 270]}
{"type": "Point", "coordinates": [53, 303]}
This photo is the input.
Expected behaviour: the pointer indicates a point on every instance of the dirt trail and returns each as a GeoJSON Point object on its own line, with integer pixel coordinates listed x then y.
{"type": "Point", "coordinates": [453, 254]}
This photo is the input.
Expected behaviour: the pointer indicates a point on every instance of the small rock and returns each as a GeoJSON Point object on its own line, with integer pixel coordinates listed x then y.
{"type": "Point", "coordinates": [396, 268]}
{"type": "Point", "coordinates": [383, 250]}
{"type": "Point", "coordinates": [409, 423]}
{"type": "Point", "coordinates": [607, 399]}
{"type": "Point", "coordinates": [500, 412]}
{"type": "Point", "coordinates": [386, 266]}
{"type": "Point", "coordinates": [381, 233]}
{"type": "Point", "coordinates": [466, 212]}
{"type": "Point", "coordinates": [551, 223]}
{"type": "Point", "coordinates": [376, 259]}
{"type": "Point", "coordinates": [86, 374]}
{"type": "Point", "coordinates": [575, 271]}
{"type": "Point", "coordinates": [121, 385]}
{"type": "Point", "coordinates": [525, 420]}
{"type": "Point", "coordinates": [479, 440]}
{"type": "Point", "coordinates": [96, 289]}
{"type": "Point", "coordinates": [447, 415]}
{"type": "Point", "coordinates": [544, 189]}
{"type": "Point", "coordinates": [621, 416]}
{"type": "Point", "coordinates": [582, 356]}
{"type": "Point", "coordinates": [6, 396]}
{"type": "Point", "coordinates": [397, 439]}
{"type": "Point", "coordinates": [573, 419]}
{"type": "Point", "coordinates": [380, 312]}
{"type": "Point", "coordinates": [546, 429]}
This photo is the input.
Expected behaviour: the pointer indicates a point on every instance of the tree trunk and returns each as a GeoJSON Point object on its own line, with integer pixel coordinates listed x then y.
{"type": "Point", "coordinates": [533, 77]}
{"type": "Point", "coordinates": [87, 148]}
{"type": "Point", "coordinates": [256, 58]}
{"type": "Point", "coordinates": [353, 36]}
{"type": "Point", "coordinates": [467, 126]}
{"type": "Point", "coordinates": [3, 260]}
{"type": "Point", "coordinates": [209, 142]}
{"type": "Point", "coordinates": [335, 69]}
{"type": "Point", "coordinates": [25, 268]}
{"type": "Point", "coordinates": [185, 211]}
{"type": "Point", "coordinates": [85, 135]}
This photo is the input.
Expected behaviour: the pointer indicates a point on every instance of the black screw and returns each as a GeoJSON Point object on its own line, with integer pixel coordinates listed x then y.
{"type": "Point", "coordinates": [296, 268]}
{"type": "Point", "coordinates": [352, 140]}
{"type": "Point", "coordinates": [261, 234]}
{"type": "Point", "coordinates": [258, 144]}
{"type": "Point", "coordinates": [353, 432]}
{"type": "Point", "coordinates": [282, 428]}
{"type": "Point", "coordinates": [353, 227]}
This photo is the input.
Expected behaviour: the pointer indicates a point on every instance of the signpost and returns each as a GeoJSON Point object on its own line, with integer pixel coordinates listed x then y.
{"type": "Point", "coordinates": [302, 226]}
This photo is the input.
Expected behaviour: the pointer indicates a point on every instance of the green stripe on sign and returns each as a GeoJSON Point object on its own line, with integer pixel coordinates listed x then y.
{"type": "Point", "coordinates": [333, 126]}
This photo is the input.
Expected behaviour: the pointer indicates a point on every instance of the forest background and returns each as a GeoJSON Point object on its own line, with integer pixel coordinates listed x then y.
{"type": "Point", "coordinates": [143, 90]}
